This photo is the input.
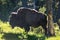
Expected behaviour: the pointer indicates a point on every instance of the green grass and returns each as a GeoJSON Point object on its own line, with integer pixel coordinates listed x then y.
{"type": "Point", "coordinates": [7, 33]}
{"type": "Point", "coordinates": [53, 38]}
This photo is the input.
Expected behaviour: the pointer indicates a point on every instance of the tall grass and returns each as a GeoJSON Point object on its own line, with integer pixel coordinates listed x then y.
{"type": "Point", "coordinates": [7, 33]}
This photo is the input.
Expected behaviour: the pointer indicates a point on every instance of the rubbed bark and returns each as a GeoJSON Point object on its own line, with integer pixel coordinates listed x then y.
{"type": "Point", "coordinates": [51, 31]}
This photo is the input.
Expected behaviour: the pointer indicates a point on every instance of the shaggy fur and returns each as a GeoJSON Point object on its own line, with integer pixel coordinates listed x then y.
{"type": "Point", "coordinates": [26, 17]}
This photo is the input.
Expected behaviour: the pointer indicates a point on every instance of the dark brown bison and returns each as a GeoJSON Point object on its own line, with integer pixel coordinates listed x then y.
{"type": "Point", "coordinates": [26, 17]}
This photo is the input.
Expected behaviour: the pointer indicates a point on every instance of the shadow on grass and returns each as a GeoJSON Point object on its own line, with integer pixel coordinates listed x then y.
{"type": "Point", "coordinates": [33, 37]}
{"type": "Point", "coordinates": [10, 36]}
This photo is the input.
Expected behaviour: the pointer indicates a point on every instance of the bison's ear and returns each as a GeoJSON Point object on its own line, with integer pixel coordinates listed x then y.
{"type": "Point", "coordinates": [14, 13]}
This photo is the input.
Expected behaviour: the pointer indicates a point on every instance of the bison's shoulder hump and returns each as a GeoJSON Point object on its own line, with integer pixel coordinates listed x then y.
{"type": "Point", "coordinates": [24, 8]}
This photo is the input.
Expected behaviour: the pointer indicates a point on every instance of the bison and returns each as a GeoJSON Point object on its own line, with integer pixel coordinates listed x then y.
{"type": "Point", "coordinates": [26, 17]}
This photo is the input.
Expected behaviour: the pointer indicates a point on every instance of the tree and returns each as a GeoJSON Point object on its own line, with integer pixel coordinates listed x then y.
{"type": "Point", "coordinates": [51, 31]}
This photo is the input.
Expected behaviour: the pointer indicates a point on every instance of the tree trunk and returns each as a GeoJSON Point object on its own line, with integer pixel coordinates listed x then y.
{"type": "Point", "coordinates": [51, 31]}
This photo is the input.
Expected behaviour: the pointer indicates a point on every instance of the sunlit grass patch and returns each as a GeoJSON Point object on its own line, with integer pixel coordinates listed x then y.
{"type": "Point", "coordinates": [5, 27]}
{"type": "Point", "coordinates": [57, 31]}
{"type": "Point", "coordinates": [53, 38]}
{"type": "Point", "coordinates": [17, 33]}
{"type": "Point", "coordinates": [18, 30]}
{"type": "Point", "coordinates": [1, 35]}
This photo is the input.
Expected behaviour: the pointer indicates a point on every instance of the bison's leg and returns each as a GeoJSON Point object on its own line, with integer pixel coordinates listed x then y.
{"type": "Point", "coordinates": [45, 29]}
{"type": "Point", "coordinates": [12, 23]}
{"type": "Point", "coordinates": [27, 28]}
